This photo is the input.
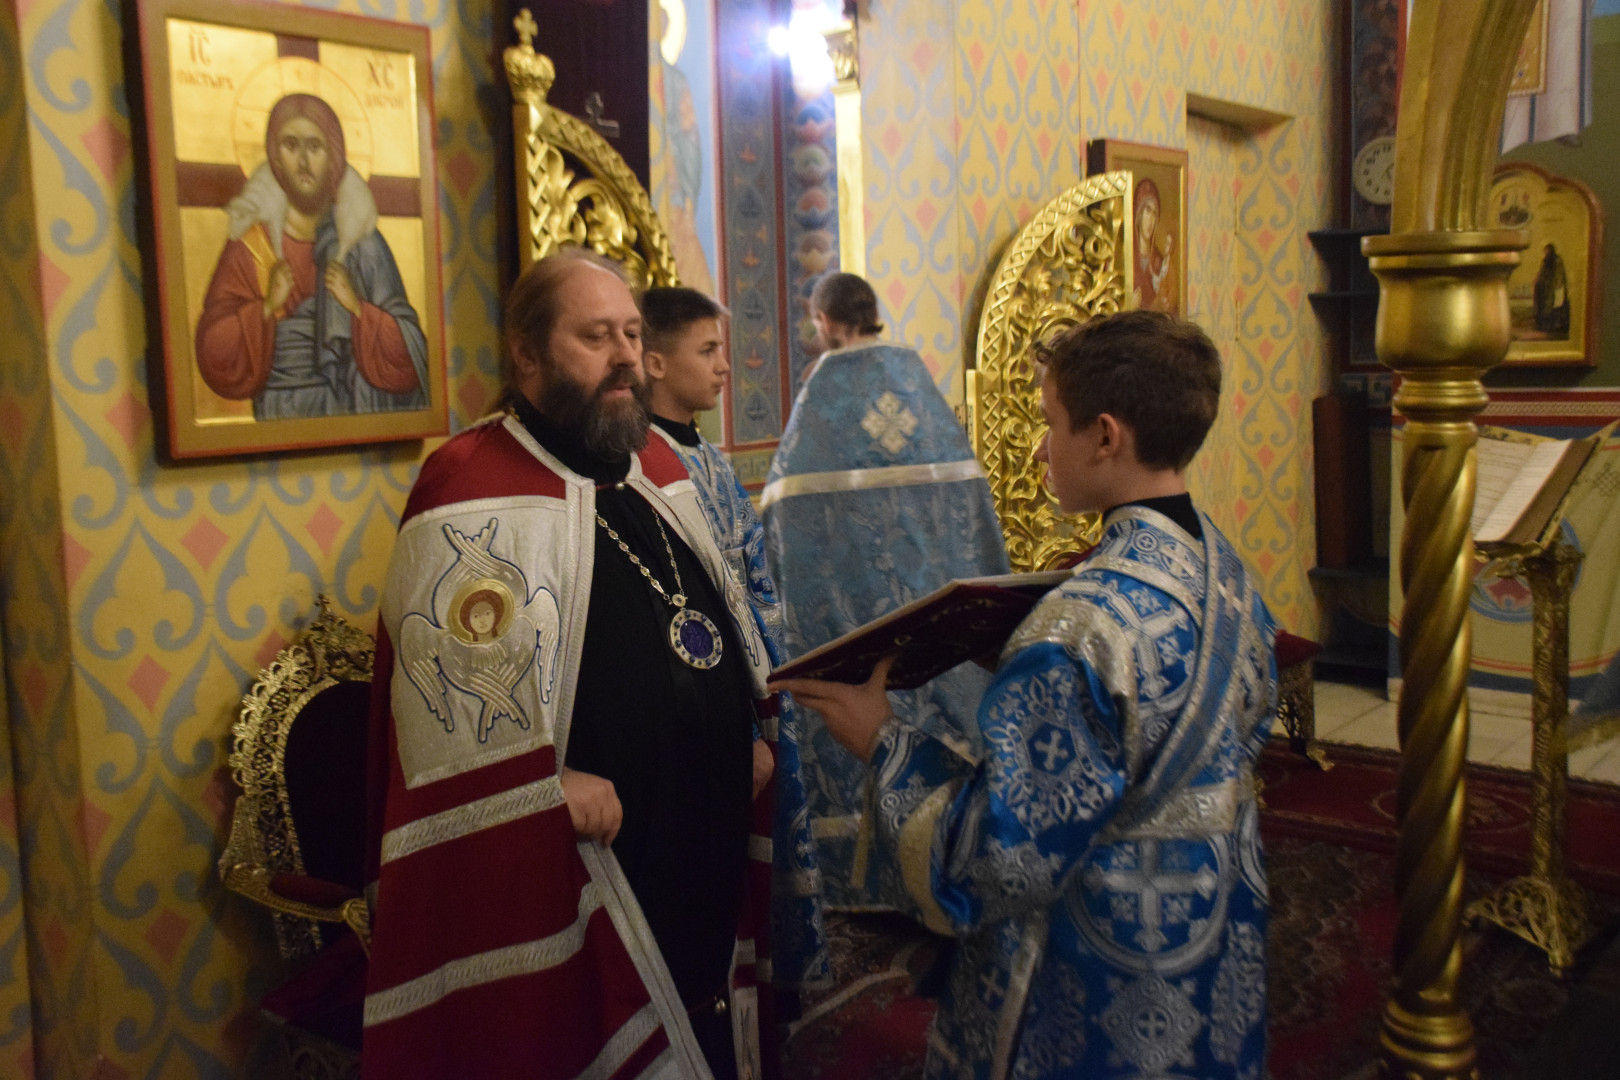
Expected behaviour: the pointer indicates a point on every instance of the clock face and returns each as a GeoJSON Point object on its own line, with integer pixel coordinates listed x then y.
{"type": "Point", "coordinates": [1373, 171]}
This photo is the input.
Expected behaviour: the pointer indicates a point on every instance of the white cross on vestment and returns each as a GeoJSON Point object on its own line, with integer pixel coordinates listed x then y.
{"type": "Point", "coordinates": [1229, 597]}
{"type": "Point", "coordinates": [1052, 750]}
{"type": "Point", "coordinates": [890, 422]}
{"type": "Point", "coordinates": [1153, 627]}
{"type": "Point", "coordinates": [1151, 1024]}
{"type": "Point", "coordinates": [1149, 885]}
{"type": "Point", "coordinates": [994, 986]}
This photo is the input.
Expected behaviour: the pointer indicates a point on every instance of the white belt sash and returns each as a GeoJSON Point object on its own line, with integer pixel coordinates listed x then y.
{"type": "Point", "coordinates": [822, 483]}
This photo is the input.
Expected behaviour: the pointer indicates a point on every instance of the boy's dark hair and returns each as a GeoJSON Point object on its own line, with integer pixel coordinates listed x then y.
{"type": "Point", "coordinates": [1158, 375]}
{"type": "Point", "coordinates": [848, 301]}
{"type": "Point", "coordinates": [666, 310]}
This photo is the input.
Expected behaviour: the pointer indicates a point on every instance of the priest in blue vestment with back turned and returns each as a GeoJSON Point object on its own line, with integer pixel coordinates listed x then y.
{"type": "Point", "coordinates": [1099, 862]}
{"type": "Point", "coordinates": [874, 499]}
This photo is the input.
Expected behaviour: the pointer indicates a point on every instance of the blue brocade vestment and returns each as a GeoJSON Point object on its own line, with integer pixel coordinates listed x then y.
{"type": "Point", "coordinates": [798, 937]}
{"type": "Point", "coordinates": [874, 499]}
{"type": "Point", "coordinates": [1100, 866]}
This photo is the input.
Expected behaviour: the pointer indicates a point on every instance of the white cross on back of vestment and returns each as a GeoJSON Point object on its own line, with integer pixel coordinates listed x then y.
{"type": "Point", "coordinates": [1149, 885]}
{"type": "Point", "coordinates": [1053, 751]}
{"type": "Point", "coordinates": [1149, 666]}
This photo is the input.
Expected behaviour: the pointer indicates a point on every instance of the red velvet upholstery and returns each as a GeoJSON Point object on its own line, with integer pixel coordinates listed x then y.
{"type": "Point", "coordinates": [325, 771]}
{"type": "Point", "coordinates": [310, 890]}
{"type": "Point", "coordinates": [1293, 649]}
{"type": "Point", "coordinates": [325, 997]}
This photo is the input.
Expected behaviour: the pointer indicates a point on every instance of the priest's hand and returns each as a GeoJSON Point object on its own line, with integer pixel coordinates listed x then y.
{"type": "Point", "coordinates": [854, 714]}
{"type": "Point", "coordinates": [764, 765]}
{"type": "Point", "coordinates": [593, 805]}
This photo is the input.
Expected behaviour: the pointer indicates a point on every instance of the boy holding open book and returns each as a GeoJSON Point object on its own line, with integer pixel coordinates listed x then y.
{"type": "Point", "coordinates": [1100, 866]}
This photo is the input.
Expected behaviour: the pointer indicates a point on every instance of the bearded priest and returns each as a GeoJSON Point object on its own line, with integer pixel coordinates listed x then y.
{"type": "Point", "coordinates": [569, 685]}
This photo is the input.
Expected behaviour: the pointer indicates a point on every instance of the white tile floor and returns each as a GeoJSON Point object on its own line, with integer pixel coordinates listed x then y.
{"type": "Point", "coordinates": [1366, 717]}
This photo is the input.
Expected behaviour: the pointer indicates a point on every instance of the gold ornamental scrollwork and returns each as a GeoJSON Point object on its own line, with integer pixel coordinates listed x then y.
{"type": "Point", "coordinates": [1071, 263]}
{"type": "Point", "coordinates": [263, 841]}
{"type": "Point", "coordinates": [608, 210]}
{"type": "Point", "coordinates": [843, 49]}
{"type": "Point", "coordinates": [1544, 907]}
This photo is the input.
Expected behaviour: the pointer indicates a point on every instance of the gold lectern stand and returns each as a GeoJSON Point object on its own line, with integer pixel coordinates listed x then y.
{"type": "Point", "coordinates": [1544, 907]}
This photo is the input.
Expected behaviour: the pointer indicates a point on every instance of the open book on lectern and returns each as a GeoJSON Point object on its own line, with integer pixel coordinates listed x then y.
{"type": "Point", "coordinates": [957, 622]}
{"type": "Point", "coordinates": [1523, 480]}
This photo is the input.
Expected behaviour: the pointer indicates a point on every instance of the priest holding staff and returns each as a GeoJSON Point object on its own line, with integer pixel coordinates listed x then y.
{"type": "Point", "coordinates": [1099, 862]}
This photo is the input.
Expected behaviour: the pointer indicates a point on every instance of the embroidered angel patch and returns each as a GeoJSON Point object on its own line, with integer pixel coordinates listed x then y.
{"type": "Point", "coordinates": [485, 635]}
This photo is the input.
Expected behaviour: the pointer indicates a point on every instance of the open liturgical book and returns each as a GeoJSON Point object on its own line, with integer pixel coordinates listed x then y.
{"type": "Point", "coordinates": [960, 621]}
{"type": "Point", "coordinates": [1523, 481]}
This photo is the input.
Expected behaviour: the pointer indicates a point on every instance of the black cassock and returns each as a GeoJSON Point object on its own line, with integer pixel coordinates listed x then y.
{"type": "Point", "coordinates": [676, 741]}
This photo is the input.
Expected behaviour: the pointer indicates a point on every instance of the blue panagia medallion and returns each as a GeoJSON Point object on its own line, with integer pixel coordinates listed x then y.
{"type": "Point", "coordinates": [695, 638]}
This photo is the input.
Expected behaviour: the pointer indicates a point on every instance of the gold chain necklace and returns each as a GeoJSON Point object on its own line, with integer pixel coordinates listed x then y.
{"type": "Point", "coordinates": [692, 635]}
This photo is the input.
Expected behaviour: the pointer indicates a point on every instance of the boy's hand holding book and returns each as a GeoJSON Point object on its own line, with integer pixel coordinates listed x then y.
{"type": "Point", "coordinates": [968, 619]}
{"type": "Point", "coordinates": [854, 713]}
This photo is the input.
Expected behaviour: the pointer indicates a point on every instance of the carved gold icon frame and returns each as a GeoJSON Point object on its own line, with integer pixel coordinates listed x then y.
{"type": "Point", "coordinates": [292, 244]}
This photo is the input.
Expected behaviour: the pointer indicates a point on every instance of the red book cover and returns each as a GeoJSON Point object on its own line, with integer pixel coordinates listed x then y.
{"type": "Point", "coordinates": [958, 622]}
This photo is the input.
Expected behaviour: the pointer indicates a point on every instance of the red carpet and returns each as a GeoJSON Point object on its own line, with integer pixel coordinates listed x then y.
{"type": "Point", "coordinates": [1354, 804]}
{"type": "Point", "coordinates": [1328, 842]}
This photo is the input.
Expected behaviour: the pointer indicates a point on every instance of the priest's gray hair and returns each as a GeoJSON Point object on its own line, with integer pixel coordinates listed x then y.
{"type": "Point", "coordinates": [532, 309]}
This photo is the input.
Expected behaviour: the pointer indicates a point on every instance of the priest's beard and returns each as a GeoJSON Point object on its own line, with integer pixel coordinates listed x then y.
{"type": "Point", "coordinates": [610, 429]}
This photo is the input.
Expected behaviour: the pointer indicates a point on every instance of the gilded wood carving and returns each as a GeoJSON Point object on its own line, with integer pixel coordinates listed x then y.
{"type": "Point", "coordinates": [1069, 264]}
{"type": "Point", "coordinates": [263, 840]}
{"type": "Point", "coordinates": [607, 210]}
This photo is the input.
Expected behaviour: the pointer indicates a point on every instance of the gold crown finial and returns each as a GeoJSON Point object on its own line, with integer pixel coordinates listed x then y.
{"type": "Point", "coordinates": [525, 25]}
{"type": "Point", "coordinates": [530, 73]}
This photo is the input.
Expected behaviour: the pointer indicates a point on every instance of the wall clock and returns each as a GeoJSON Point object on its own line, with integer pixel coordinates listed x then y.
{"type": "Point", "coordinates": [1373, 73]}
{"type": "Point", "coordinates": [1373, 171]}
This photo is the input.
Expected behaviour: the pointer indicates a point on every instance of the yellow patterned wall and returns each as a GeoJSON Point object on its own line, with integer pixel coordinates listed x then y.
{"type": "Point", "coordinates": [1252, 197]}
{"type": "Point", "coordinates": [975, 113]}
{"type": "Point", "coordinates": [177, 583]}
{"type": "Point", "coordinates": [45, 924]}
{"type": "Point", "coordinates": [971, 121]}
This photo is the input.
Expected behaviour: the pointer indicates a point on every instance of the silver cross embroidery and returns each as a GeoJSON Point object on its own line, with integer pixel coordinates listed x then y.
{"type": "Point", "coordinates": [889, 422]}
{"type": "Point", "coordinates": [1052, 751]}
{"type": "Point", "coordinates": [1155, 628]}
{"type": "Point", "coordinates": [1149, 885]}
{"type": "Point", "coordinates": [994, 985]}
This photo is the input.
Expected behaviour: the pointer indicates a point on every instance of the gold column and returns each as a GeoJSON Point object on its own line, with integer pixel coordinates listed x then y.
{"type": "Point", "coordinates": [843, 46]}
{"type": "Point", "coordinates": [1442, 322]}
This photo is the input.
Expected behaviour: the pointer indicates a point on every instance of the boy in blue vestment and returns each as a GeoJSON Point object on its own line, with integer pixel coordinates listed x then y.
{"type": "Point", "coordinates": [684, 354]}
{"type": "Point", "coordinates": [1100, 864]}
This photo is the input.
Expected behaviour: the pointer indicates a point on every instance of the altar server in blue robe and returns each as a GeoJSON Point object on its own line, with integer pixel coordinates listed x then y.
{"type": "Point", "coordinates": [874, 499]}
{"type": "Point", "coordinates": [684, 354]}
{"type": "Point", "coordinates": [1100, 863]}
